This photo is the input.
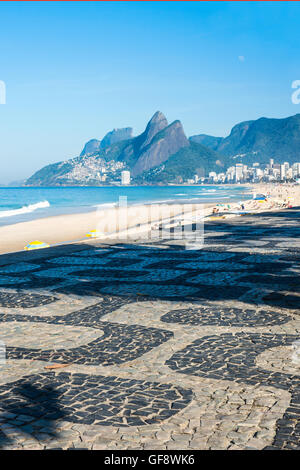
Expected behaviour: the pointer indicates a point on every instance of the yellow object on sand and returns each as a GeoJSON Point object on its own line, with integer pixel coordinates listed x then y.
{"type": "Point", "coordinates": [218, 217]}
{"type": "Point", "coordinates": [94, 234]}
{"type": "Point", "coordinates": [36, 245]}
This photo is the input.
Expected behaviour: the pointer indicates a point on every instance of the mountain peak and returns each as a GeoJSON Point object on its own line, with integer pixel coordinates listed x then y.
{"type": "Point", "coordinates": [116, 135]}
{"type": "Point", "coordinates": [166, 142]}
{"type": "Point", "coordinates": [157, 117]}
{"type": "Point", "coordinates": [112, 137]}
{"type": "Point", "coordinates": [157, 123]}
{"type": "Point", "coordinates": [90, 147]}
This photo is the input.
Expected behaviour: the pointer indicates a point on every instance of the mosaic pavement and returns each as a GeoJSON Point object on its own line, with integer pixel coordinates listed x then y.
{"type": "Point", "coordinates": [160, 347]}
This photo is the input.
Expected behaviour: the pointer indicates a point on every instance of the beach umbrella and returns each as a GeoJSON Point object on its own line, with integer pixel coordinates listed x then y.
{"type": "Point", "coordinates": [36, 245]}
{"type": "Point", "coordinates": [94, 234]}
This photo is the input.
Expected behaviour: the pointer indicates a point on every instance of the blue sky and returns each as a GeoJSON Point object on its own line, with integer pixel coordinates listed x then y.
{"type": "Point", "coordinates": [75, 70]}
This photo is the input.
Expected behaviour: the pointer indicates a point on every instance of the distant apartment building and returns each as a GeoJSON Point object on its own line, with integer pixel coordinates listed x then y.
{"type": "Point", "coordinates": [296, 169]}
{"type": "Point", "coordinates": [125, 177]}
{"type": "Point", "coordinates": [258, 174]}
{"type": "Point", "coordinates": [289, 173]}
{"type": "Point", "coordinates": [230, 174]}
{"type": "Point", "coordinates": [239, 171]}
{"type": "Point", "coordinates": [213, 176]}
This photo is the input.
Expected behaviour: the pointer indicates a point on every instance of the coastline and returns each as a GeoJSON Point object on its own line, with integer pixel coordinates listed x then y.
{"type": "Point", "coordinates": [22, 204]}
{"type": "Point", "coordinates": [113, 223]}
{"type": "Point", "coordinates": [72, 228]}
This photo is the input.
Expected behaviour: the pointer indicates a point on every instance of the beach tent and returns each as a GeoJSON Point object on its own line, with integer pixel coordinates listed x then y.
{"type": "Point", "coordinates": [260, 197]}
{"type": "Point", "coordinates": [36, 245]}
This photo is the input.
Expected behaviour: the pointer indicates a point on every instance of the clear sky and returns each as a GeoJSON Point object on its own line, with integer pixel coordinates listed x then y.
{"type": "Point", "coordinates": [75, 70]}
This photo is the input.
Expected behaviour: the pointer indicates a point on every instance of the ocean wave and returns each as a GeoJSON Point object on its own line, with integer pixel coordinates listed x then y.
{"type": "Point", "coordinates": [105, 205]}
{"type": "Point", "coordinates": [25, 209]}
{"type": "Point", "coordinates": [154, 201]}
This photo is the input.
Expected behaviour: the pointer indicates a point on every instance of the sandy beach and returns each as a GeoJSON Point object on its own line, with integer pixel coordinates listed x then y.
{"type": "Point", "coordinates": [75, 227]}
{"type": "Point", "coordinates": [114, 223]}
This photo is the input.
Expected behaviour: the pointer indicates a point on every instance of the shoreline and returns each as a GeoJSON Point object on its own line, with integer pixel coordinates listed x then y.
{"type": "Point", "coordinates": [114, 223]}
{"type": "Point", "coordinates": [71, 228]}
{"type": "Point", "coordinates": [29, 211]}
{"type": "Point", "coordinates": [49, 204]}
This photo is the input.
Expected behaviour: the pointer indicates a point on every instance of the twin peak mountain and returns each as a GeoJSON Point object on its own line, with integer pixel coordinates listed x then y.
{"type": "Point", "coordinates": [155, 145]}
{"type": "Point", "coordinates": [163, 153]}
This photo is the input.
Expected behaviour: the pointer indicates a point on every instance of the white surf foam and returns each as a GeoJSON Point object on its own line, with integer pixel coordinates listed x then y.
{"type": "Point", "coordinates": [25, 209]}
{"type": "Point", "coordinates": [106, 204]}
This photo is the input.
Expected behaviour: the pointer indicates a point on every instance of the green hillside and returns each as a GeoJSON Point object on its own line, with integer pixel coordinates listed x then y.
{"type": "Point", "coordinates": [188, 161]}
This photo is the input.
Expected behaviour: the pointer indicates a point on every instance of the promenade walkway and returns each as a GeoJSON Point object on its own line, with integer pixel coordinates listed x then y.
{"type": "Point", "coordinates": [157, 347]}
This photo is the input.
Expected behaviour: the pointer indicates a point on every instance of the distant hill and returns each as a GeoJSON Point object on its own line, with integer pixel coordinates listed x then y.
{"type": "Point", "coordinates": [207, 140]}
{"type": "Point", "coordinates": [16, 184]}
{"type": "Point", "coordinates": [258, 141]}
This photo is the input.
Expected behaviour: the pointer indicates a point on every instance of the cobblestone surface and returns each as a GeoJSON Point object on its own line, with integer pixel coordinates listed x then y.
{"type": "Point", "coordinates": [156, 347]}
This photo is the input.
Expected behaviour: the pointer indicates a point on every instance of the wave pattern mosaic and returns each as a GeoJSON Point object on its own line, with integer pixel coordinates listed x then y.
{"type": "Point", "coordinates": [154, 346]}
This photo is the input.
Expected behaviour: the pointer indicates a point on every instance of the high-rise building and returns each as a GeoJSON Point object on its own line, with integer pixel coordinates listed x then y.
{"type": "Point", "coordinates": [239, 171]}
{"type": "Point", "coordinates": [282, 172]}
{"type": "Point", "coordinates": [245, 172]}
{"type": "Point", "coordinates": [259, 173]}
{"type": "Point", "coordinates": [212, 175]}
{"type": "Point", "coordinates": [125, 177]}
{"type": "Point", "coordinates": [296, 169]}
{"type": "Point", "coordinates": [230, 173]}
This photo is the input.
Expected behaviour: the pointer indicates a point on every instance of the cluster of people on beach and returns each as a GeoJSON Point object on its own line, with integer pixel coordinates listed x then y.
{"type": "Point", "coordinates": [271, 197]}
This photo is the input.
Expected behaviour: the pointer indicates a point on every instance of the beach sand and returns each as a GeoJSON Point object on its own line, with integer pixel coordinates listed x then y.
{"type": "Point", "coordinates": [74, 227]}
{"type": "Point", "coordinates": [135, 219]}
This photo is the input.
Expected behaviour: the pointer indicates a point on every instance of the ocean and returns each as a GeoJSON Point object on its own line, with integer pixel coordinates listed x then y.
{"type": "Point", "coordinates": [23, 204]}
